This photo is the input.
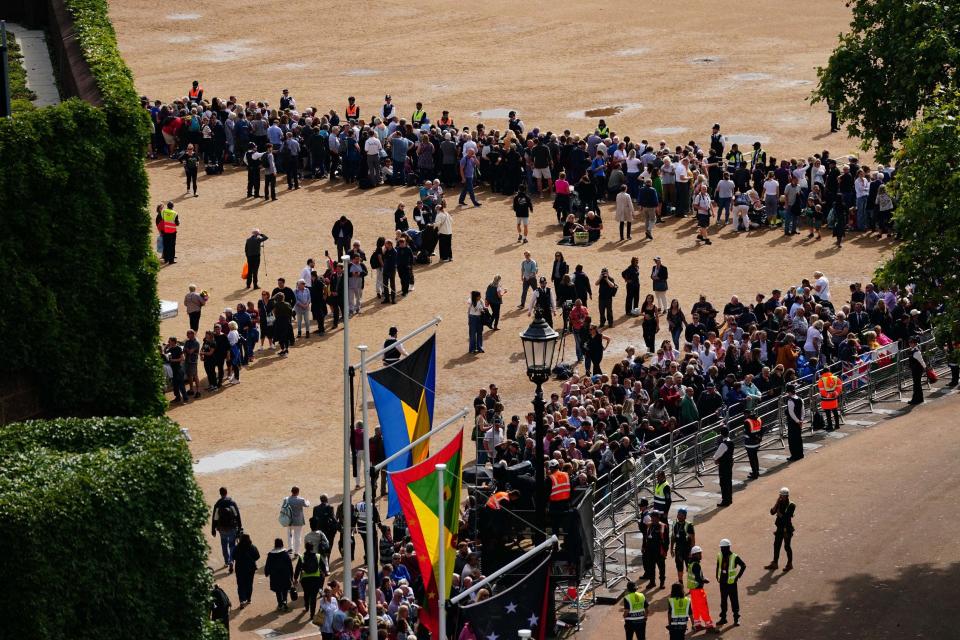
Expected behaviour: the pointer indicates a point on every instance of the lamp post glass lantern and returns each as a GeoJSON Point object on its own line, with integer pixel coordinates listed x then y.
{"type": "Point", "coordinates": [539, 349]}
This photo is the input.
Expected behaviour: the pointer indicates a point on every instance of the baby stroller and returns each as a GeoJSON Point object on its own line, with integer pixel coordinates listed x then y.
{"type": "Point", "coordinates": [428, 242]}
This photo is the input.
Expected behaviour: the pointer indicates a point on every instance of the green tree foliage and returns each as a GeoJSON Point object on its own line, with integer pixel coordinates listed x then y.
{"type": "Point", "coordinates": [889, 64]}
{"type": "Point", "coordinates": [80, 277]}
{"type": "Point", "coordinates": [101, 520]}
{"type": "Point", "coordinates": [20, 94]}
{"type": "Point", "coordinates": [927, 184]}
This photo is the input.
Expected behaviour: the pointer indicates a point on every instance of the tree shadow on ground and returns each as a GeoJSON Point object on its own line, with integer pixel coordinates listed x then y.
{"type": "Point", "coordinates": [864, 606]}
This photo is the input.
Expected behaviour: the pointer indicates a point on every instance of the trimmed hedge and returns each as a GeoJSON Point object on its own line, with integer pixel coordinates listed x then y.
{"type": "Point", "coordinates": [100, 520]}
{"type": "Point", "coordinates": [20, 93]}
{"type": "Point", "coordinates": [80, 295]}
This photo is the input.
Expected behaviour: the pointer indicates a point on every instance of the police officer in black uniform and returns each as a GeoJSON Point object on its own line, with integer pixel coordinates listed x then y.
{"type": "Point", "coordinates": [724, 459]}
{"type": "Point", "coordinates": [752, 437]}
{"type": "Point", "coordinates": [544, 301]}
{"type": "Point", "coordinates": [917, 368]}
{"type": "Point", "coordinates": [252, 159]}
{"type": "Point", "coordinates": [631, 277]}
{"type": "Point", "coordinates": [396, 348]}
{"type": "Point", "coordinates": [793, 412]}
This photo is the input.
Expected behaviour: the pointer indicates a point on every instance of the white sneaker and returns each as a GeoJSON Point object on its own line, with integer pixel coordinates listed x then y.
{"type": "Point", "coordinates": [234, 382]}
{"type": "Point", "coordinates": [412, 288]}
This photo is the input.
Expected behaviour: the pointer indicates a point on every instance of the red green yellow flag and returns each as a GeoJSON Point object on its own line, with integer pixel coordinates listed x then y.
{"type": "Point", "coordinates": [417, 492]}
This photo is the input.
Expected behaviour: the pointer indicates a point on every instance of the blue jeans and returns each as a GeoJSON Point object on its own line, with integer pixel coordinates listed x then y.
{"type": "Point", "coordinates": [399, 173]}
{"type": "Point", "coordinates": [578, 343]}
{"type": "Point", "coordinates": [862, 213]}
{"type": "Point", "coordinates": [475, 324]}
{"type": "Point", "coordinates": [468, 188]}
{"type": "Point", "coordinates": [723, 204]}
{"type": "Point", "coordinates": [789, 221]}
{"type": "Point", "coordinates": [228, 543]}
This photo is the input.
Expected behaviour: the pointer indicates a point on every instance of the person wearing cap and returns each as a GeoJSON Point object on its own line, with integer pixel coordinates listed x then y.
{"type": "Point", "coordinates": [727, 578]}
{"type": "Point", "coordinates": [387, 110]}
{"type": "Point", "coordinates": [544, 301]}
{"type": "Point", "coordinates": [682, 540]}
{"type": "Point", "coordinates": [752, 438]}
{"type": "Point", "coordinates": [635, 607]}
{"type": "Point", "coordinates": [287, 101]}
{"type": "Point", "coordinates": [662, 499]}
{"type": "Point", "coordinates": [514, 123]}
{"type": "Point", "coordinates": [794, 414]}
{"type": "Point", "coordinates": [783, 510]}
{"type": "Point", "coordinates": [656, 545]}
{"type": "Point", "coordinates": [917, 368]}
{"type": "Point", "coordinates": [699, 607]}
{"type": "Point", "coordinates": [717, 142]}
{"type": "Point", "coordinates": [724, 459]}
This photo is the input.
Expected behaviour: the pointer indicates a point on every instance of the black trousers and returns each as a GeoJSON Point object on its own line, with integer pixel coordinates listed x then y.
{"type": "Point", "coordinates": [658, 564]}
{"type": "Point", "coordinates": [833, 418]}
{"type": "Point", "coordinates": [636, 628]}
{"type": "Point", "coordinates": [446, 246]}
{"type": "Point", "coordinates": [343, 246]}
{"type": "Point", "coordinates": [729, 592]}
{"type": "Point", "coordinates": [632, 300]}
{"type": "Point", "coordinates": [293, 174]}
{"type": "Point", "coordinates": [270, 186]}
{"type": "Point", "coordinates": [211, 368]}
{"type": "Point", "coordinates": [336, 310]}
{"type": "Point", "coordinates": [677, 633]}
{"type": "Point", "coordinates": [191, 179]}
{"type": "Point", "coordinates": [406, 279]}
{"type": "Point", "coordinates": [219, 365]}
{"type": "Point", "coordinates": [390, 285]}
{"type": "Point", "coordinates": [169, 247]}
{"type": "Point", "coordinates": [606, 311]}
{"type": "Point", "coordinates": [628, 229]}
{"type": "Point", "coordinates": [726, 484]}
{"type": "Point", "coordinates": [495, 315]}
{"type": "Point", "coordinates": [311, 588]}
{"type": "Point", "coordinates": [782, 538]}
{"type": "Point", "coordinates": [916, 375]}
{"type": "Point", "coordinates": [253, 270]}
{"type": "Point", "coordinates": [754, 459]}
{"type": "Point", "coordinates": [253, 183]}
{"type": "Point", "coordinates": [794, 439]}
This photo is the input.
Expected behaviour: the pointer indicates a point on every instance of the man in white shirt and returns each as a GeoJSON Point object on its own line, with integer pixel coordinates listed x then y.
{"type": "Point", "coordinates": [493, 437]}
{"type": "Point", "coordinates": [373, 147]}
{"type": "Point", "coordinates": [821, 286]}
{"type": "Point", "coordinates": [724, 193]}
{"type": "Point", "coordinates": [305, 273]}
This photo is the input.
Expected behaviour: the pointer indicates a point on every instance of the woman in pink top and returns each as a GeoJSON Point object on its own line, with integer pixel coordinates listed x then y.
{"type": "Point", "coordinates": [561, 202]}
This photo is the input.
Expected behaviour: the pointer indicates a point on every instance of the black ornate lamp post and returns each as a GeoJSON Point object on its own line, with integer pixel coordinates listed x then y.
{"type": "Point", "coordinates": [539, 350]}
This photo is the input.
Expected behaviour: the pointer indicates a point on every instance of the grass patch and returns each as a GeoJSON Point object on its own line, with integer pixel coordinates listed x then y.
{"type": "Point", "coordinates": [21, 97]}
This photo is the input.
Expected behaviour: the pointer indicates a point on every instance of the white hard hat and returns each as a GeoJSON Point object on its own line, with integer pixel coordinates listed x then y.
{"type": "Point", "coordinates": [724, 543]}
{"type": "Point", "coordinates": [696, 549]}
{"type": "Point", "coordinates": [784, 491]}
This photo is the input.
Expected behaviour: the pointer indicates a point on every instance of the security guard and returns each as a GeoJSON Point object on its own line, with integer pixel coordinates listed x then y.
{"type": "Point", "coordinates": [678, 608]}
{"type": "Point", "coordinates": [724, 459]}
{"type": "Point", "coordinates": [759, 156]}
{"type": "Point", "coordinates": [167, 223]}
{"type": "Point", "coordinates": [783, 509]}
{"type": "Point", "coordinates": [559, 494]}
{"type": "Point", "coordinates": [196, 93]}
{"type": "Point", "coordinates": [793, 411]}
{"type": "Point", "coordinates": [353, 110]}
{"type": "Point", "coordinates": [752, 437]}
{"type": "Point", "coordinates": [498, 499]}
{"type": "Point", "coordinates": [419, 116]}
{"type": "Point", "coordinates": [830, 388]}
{"type": "Point", "coordinates": [603, 130]}
{"type": "Point", "coordinates": [445, 122]}
{"type": "Point", "coordinates": [682, 540]}
{"type": "Point", "coordinates": [661, 495]}
{"type": "Point", "coordinates": [635, 613]}
{"type": "Point", "coordinates": [656, 543]}
{"type": "Point", "coordinates": [698, 597]}
{"type": "Point", "coordinates": [727, 577]}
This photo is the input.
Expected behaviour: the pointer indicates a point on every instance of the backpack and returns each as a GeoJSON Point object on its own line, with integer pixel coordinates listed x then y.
{"type": "Point", "coordinates": [311, 563]}
{"type": "Point", "coordinates": [194, 124]}
{"type": "Point", "coordinates": [227, 517]}
{"type": "Point", "coordinates": [286, 513]}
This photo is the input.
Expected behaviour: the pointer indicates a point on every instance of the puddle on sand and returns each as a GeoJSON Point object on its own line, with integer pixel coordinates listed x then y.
{"type": "Point", "coordinates": [669, 131]}
{"type": "Point", "coordinates": [705, 60]}
{"type": "Point", "coordinates": [361, 72]}
{"type": "Point", "coordinates": [604, 112]}
{"type": "Point", "coordinates": [746, 139]}
{"type": "Point", "coordinates": [233, 459]}
{"type": "Point", "coordinates": [293, 65]}
{"type": "Point", "coordinates": [499, 112]}
{"type": "Point", "coordinates": [182, 39]}
{"type": "Point", "coordinates": [751, 76]}
{"type": "Point", "coordinates": [178, 17]}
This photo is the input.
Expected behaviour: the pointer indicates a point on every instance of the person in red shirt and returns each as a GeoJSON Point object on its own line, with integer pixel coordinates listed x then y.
{"type": "Point", "coordinates": [579, 318]}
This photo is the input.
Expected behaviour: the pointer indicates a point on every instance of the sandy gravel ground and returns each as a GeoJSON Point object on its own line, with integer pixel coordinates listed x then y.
{"type": "Point", "coordinates": [750, 67]}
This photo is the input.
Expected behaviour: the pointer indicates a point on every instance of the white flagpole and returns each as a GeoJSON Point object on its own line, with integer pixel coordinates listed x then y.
{"type": "Point", "coordinates": [371, 479]}
{"type": "Point", "coordinates": [441, 556]}
{"type": "Point", "coordinates": [345, 535]}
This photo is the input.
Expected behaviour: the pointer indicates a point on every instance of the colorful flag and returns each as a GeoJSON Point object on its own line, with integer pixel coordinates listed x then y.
{"type": "Point", "coordinates": [417, 491]}
{"type": "Point", "coordinates": [403, 395]}
{"type": "Point", "coordinates": [525, 604]}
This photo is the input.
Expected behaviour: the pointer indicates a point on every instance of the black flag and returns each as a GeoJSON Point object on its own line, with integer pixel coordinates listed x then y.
{"type": "Point", "coordinates": [523, 605]}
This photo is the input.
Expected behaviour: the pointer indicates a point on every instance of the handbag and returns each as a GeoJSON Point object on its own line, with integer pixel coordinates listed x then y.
{"type": "Point", "coordinates": [245, 271]}
{"type": "Point", "coordinates": [932, 375]}
{"type": "Point", "coordinates": [293, 594]}
{"type": "Point", "coordinates": [320, 618]}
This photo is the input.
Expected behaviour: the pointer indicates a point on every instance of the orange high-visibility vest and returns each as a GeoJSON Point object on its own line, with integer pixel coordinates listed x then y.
{"type": "Point", "coordinates": [195, 93]}
{"type": "Point", "coordinates": [353, 110]}
{"type": "Point", "coordinates": [561, 486]}
{"type": "Point", "coordinates": [169, 224]}
{"type": "Point", "coordinates": [494, 501]}
{"type": "Point", "coordinates": [830, 390]}
{"type": "Point", "coordinates": [446, 122]}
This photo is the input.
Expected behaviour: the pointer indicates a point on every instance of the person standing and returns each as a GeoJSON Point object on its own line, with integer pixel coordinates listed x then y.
{"type": "Point", "coordinates": [830, 388]}
{"type": "Point", "coordinates": [302, 307]}
{"type": "Point", "coordinates": [727, 577]}
{"type": "Point", "coordinates": [309, 572]}
{"type": "Point", "coordinates": [395, 348]}
{"type": "Point", "coordinates": [624, 211]}
{"type": "Point", "coordinates": [635, 613]}
{"type": "Point", "coordinates": [522, 208]}
{"type": "Point", "coordinates": [917, 368]}
{"type": "Point", "coordinates": [342, 233]}
{"type": "Point", "coordinates": [631, 278]}
{"type": "Point", "coordinates": [292, 508]}
{"type": "Point", "coordinates": [355, 277]}
{"type": "Point", "coordinates": [405, 259]}
{"type": "Point", "coordinates": [794, 413]}
{"type": "Point", "coordinates": [494, 299]}
{"type": "Point", "coordinates": [245, 560]}
{"type": "Point", "coordinates": [752, 437]}
{"type": "Point", "coordinates": [253, 250]}
{"type": "Point", "coordinates": [444, 225]}
{"type": "Point", "coordinates": [167, 222]}
{"type": "Point", "coordinates": [594, 346]}
{"type": "Point", "coordinates": [475, 308]}
{"type": "Point", "coordinates": [193, 302]}
{"type": "Point", "coordinates": [679, 612]}
{"type": "Point", "coordinates": [662, 498]}
{"type": "Point", "coordinates": [724, 459]}
{"type": "Point", "coordinates": [269, 162]}
{"type": "Point", "coordinates": [783, 510]}
{"type": "Point", "coordinates": [544, 302]}
{"type": "Point", "coordinates": [528, 277]}
{"type": "Point", "coordinates": [173, 354]}
{"type": "Point", "coordinates": [649, 200]}
{"type": "Point", "coordinates": [606, 290]}
{"type": "Point", "coordinates": [682, 540]}
{"type": "Point", "coordinates": [656, 545]}
{"type": "Point", "coordinates": [468, 168]}
{"type": "Point", "coordinates": [291, 154]}
{"type": "Point", "coordinates": [698, 597]}
{"type": "Point", "coordinates": [191, 167]}
{"type": "Point", "coordinates": [279, 568]}
{"type": "Point", "coordinates": [252, 159]}
{"type": "Point", "coordinates": [387, 257]}
{"type": "Point", "coordinates": [659, 275]}
{"type": "Point", "coordinates": [703, 208]}
{"type": "Point", "coordinates": [226, 521]}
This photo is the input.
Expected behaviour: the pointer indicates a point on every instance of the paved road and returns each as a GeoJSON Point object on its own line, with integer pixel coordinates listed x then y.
{"type": "Point", "coordinates": [875, 550]}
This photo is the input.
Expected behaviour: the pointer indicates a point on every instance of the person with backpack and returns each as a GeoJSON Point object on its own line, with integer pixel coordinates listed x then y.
{"type": "Point", "coordinates": [279, 568]}
{"type": "Point", "coordinates": [226, 522]}
{"type": "Point", "coordinates": [245, 560]}
{"type": "Point", "coordinates": [220, 607]}
{"type": "Point", "coordinates": [291, 518]}
{"type": "Point", "coordinates": [310, 572]}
